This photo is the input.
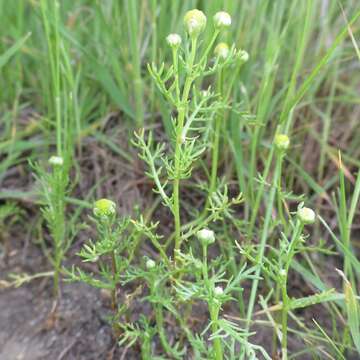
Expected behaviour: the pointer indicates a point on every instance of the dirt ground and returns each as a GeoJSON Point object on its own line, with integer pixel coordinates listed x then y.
{"type": "Point", "coordinates": [27, 332]}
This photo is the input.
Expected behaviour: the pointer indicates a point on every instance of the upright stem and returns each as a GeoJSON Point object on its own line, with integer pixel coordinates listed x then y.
{"type": "Point", "coordinates": [215, 145]}
{"type": "Point", "coordinates": [59, 230]}
{"type": "Point", "coordinates": [214, 307]}
{"type": "Point", "coordinates": [160, 327]}
{"type": "Point", "coordinates": [114, 271]}
{"type": "Point", "coordinates": [258, 197]}
{"type": "Point", "coordinates": [133, 21]}
{"type": "Point", "coordinates": [285, 298]}
{"type": "Point", "coordinates": [214, 315]}
{"type": "Point", "coordinates": [263, 239]}
{"type": "Point", "coordinates": [182, 109]}
{"type": "Point", "coordinates": [285, 305]}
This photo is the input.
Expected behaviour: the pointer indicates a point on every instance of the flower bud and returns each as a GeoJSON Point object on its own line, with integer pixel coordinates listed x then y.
{"type": "Point", "coordinates": [222, 50]}
{"type": "Point", "coordinates": [282, 273]}
{"type": "Point", "coordinates": [222, 19]}
{"type": "Point", "coordinates": [104, 208]}
{"type": "Point", "coordinates": [218, 291]}
{"type": "Point", "coordinates": [56, 161]}
{"type": "Point", "coordinates": [174, 40]}
{"type": "Point", "coordinates": [150, 264]}
{"type": "Point", "coordinates": [206, 236]}
{"type": "Point", "coordinates": [198, 264]}
{"type": "Point", "coordinates": [243, 55]}
{"type": "Point", "coordinates": [195, 22]}
{"type": "Point", "coordinates": [282, 141]}
{"type": "Point", "coordinates": [306, 215]}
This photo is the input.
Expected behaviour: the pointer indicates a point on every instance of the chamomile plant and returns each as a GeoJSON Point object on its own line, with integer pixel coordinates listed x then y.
{"type": "Point", "coordinates": [55, 182]}
{"type": "Point", "coordinates": [107, 252]}
{"type": "Point", "coordinates": [277, 267]}
{"type": "Point", "coordinates": [176, 281]}
{"type": "Point", "coordinates": [199, 112]}
{"type": "Point", "coordinates": [196, 126]}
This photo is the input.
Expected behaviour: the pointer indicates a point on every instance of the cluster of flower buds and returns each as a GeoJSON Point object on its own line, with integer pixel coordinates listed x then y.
{"type": "Point", "coordinates": [195, 23]}
{"type": "Point", "coordinates": [104, 208]}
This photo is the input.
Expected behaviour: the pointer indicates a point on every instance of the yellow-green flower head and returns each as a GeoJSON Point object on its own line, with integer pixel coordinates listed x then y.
{"type": "Point", "coordinates": [306, 215]}
{"type": "Point", "coordinates": [222, 50]}
{"type": "Point", "coordinates": [56, 161]}
{"type": "Point", "coordinates": [174, 40]}
{"type": "Point", "coordinates": [243, 55]}
{"type": "Point", "coordinates": [206, 236]}
{"type": "Point", "coordinates": [222, 19]}
{"type": "Point", "coordinates": [104, 208]}
{"type": "Point", "coordinates": [282, 141]}
{"type": "Point", "coordinates": [195, 22]}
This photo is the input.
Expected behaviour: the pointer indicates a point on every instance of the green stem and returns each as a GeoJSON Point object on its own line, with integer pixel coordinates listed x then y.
{"type": "Point", "coordinates": [259, 193]}
{"type": "Point", "coordinates": [58, 206]}
{"type": "Point", "coordinates": [160, 326]}
{"type": "Point", "coordinates": [215, 145]}
{"type": "Point", "coordinates": [134, 33]}
{"type": "Point", "coordinates": [274, 338]}
{"type": "Point", "coordinates": [285, 303]}
{"type": "Point", "coordinates": [285, 298]}
{"type": "Point", "coordinates": [280, 204]}
{"type": "Point", "coordinates": [114, 271]}
{"type": "Point", "coordinates": [182, 109]}
{"type": "Point", "coordinates": [264, 236]}
{"type": "Point", "coordinates": [214, 315]}
{"type": "Point", "coordinates": [214, 307]}
{"type": "Point", "coordinates": [153, 49]}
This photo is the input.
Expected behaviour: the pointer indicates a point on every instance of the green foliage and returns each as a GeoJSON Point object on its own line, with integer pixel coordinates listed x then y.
{"type": "Point", "coordinates": [54, 186]}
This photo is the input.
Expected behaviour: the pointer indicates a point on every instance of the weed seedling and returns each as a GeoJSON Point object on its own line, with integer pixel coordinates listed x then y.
{"type": "Point", "coordinates": [305, 216]}
{"type": "Point", "coordinates": [54, 188]}
{"type": "Point", "coordinates": [107, 252]}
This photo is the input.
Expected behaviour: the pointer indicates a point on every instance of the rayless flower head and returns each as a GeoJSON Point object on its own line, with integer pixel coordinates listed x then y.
{"type": "Point", "coordinates": [306, 215]}
{"type": "Point", "coordinates": [282, 273]}
{"type": "Point", "coordinates": [218, 291]}
{"type": "Point", "coordinates": [243, 56]}
{"type": "Point", "coordinates": [150, 264]}
{"type": "Point", "coordinates": [206, 236]}
{"type": "Point", "coordinates": [174, 40]}
{"type": "Point", "coordinates": [104, 208]}
{"type": "Point", "coordinates": [222, 50]}
{"type": "Point", "coordinates": [222, 19]}
{"type": "Point", "coordinates": [282, 142]}
{"type": "Point", "coordinates": [56, 161]}
{"type": "Point", "coordinates": [195, 22]}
